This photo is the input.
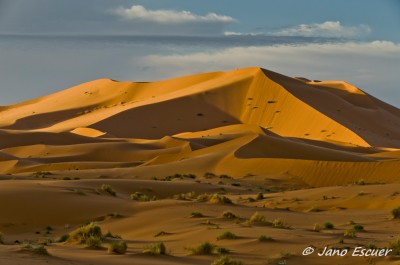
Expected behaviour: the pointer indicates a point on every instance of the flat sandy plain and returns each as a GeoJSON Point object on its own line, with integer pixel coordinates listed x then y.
{"type": "Point", "coordinates": [300, 152]}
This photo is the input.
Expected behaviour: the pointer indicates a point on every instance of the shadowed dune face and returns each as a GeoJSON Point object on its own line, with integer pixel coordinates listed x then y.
{"type": "Point", "coordinates": [244, 121]}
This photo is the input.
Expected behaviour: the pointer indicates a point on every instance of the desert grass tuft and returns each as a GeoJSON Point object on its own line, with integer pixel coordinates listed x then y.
{"type": "Point", "coordinates": [89, 235]}
{"type": "Point", "coordinates": [395, 213]}
{"type": "Point", "coordinates": [257, 217]}
{"type": "Point", "coordinates": [117, 247]}
{"type": "Point", "coordinates": [264, 238]}
{"type": "Point", "coordinates": [227, 235]}
{"type": "Point", "coordinates": [228, 215]}
{"type": "Point", "coordinates": [205, 248]}
{"type": "Point", "coordinates": [108, 189]}
{"type": "Point", "coordinates": [156, 249]}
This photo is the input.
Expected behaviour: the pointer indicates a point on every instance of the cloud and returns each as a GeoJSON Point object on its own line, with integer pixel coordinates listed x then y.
{"type": "Point", "coordinates": [162, 16]}
{"type": "Point", "coordinates": [372, 66]}
{"type": "Point", "coordinates": [333, 29]}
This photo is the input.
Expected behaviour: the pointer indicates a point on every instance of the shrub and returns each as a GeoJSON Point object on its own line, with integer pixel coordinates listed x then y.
{"type": "Point", "coordinates": [222, 251]}
{"type": "Point", "coordinates": [219, 199]}
{"type": "Point", "coordinates": [114, 215]}
{"type": "Point", "coordinates": [203, 197]}
{"type": "Point", "coordinates": [317, 227]}
{"type": "Point", "coordinates": [1, 238]}
{"type": "Point", "coordinates": [37, 249]}
{"type": "Point", "coordinates": [63, 238]}
{"type": "Point", "coordinates": [138, 196]}
{"type": "Point", "coordinates": [395, 246]}
{"type": "Point", "coordinates": [94, 242]}
{"type": "Point", "coordinates": [209, 175]}
{"type": "Point", "coordinates": [157, 249]}
{"type": "Point", "coordinates": [41, 174]}
{"type": "Point", "coordinates": [350, 233]}
{"type": "Point", "coordinates": [82, 234]}
{"type": "Point", "coordinates": [396, 213]}
{"type": "Point", "coordinates": [341, 240]}
{"type": "Point", "coordinates": [264, 238]}
{"type": "Point", "coordinates": [205, 248]}
{"type": "Point", "coordinates": [226, 235]}
{"type": "Point", "coordinates": [257, 218]}
{"type": "Point", "coordinates": [186, 196]}
{"type": "Point", "coordinates": [358, 227]}
{"type": "Point", "coordinates": [196, 215]}
{"type": "Point", "coordinates": [329, 225]}
{"type": "Point", "coordinates": [225, 260]}
{"type": "Point", "coordinates": [260, 196]}
{"type": "Point", "coordinates": [118, 247]}
{"type": "Point", "coordinates": [228, 215]}
{"type": "Point", "coordinates": [108, 189]}
{"type": "Point", "coordinates": [279, 223]}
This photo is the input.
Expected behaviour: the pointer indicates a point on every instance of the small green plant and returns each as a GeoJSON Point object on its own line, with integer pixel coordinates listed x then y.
{"type": "Point", "coordinates": [260, 196]}
{"type": "Point", "coordinates": [324, 197]}
{"type": "Point", "coordinates": [108, 189]}
{"type": "Point", "coordinates": [225, 260]}
{"type": "Point", "coordinates": [371, 246]}
{"type": "Point", "coordinates": [329, 225]}
{"type": "Point", "coordinates": [196, 215]}
{"type": "Point", "coordinates": [236, 184]}
{"type": "Point", "coordinates": [279, 223]}
{"type": "Point", "coordinates": [117, 247]}
{"type": "Point", "coordinates": [351, 233]}
{"type": "Point", "coordinates": [257, 218]}
{"type": "Point", "coordinates": [228, 215]}
{"type": "Point", "coordinates": [156, 249]}
{"type": "Point", "coordinates": [264, 238]}
{"type": "Point", "coordinates": [205, 248]}
{"type": "Point", "coordinates": [341, 240]}
{"type": "Point", "coordinates": [226, 235]}
{"type": "Point", "coordinates": [394, 245]}
{"type": "Point", "coordinates": [395, 213]}
{"type": "Point", "coordinates": [358, 227]}
{"type": "Point", "coordinates": [1, 238]}
{"type": "Point", "coordinates": [361, 193]}
{"type": "Point", "coordinates": [317, 227]}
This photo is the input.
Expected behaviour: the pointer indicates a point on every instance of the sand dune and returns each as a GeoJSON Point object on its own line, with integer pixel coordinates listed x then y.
{"type": "Point", "coordinates": [238, 133]}
{"type": "Point", "coordinates": [96, 122]}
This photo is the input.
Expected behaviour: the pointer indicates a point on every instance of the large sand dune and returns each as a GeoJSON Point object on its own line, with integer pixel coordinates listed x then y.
{"type": "Point", "coordinates": [248, 120]}
{"type": "Point", "coordinates": [238, 133]}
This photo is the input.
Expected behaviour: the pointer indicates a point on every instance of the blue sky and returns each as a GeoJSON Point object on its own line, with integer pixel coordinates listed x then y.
{"type": "Point", "coordinates": [356, 41]}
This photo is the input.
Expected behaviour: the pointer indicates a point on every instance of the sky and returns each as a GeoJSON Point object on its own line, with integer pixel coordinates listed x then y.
{"type": "Point", "coordinates": [50, 45]}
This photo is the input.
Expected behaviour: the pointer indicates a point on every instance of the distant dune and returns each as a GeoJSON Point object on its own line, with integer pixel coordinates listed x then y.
{"type": "Point", "coordinates": [246, 121]}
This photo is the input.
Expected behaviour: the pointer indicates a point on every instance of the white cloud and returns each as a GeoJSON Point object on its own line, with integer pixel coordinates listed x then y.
{"type": "Point", "coordinates": [373, 66]}
{"type": "Point", "coordinates": [326, 29]}
{"type": "Point", "coordinates": [140, 13]}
